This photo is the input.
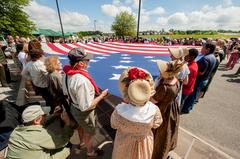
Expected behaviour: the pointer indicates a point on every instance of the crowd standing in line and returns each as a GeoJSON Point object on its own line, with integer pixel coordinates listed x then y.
{"type": "Point", "coordinates": [146, 122]}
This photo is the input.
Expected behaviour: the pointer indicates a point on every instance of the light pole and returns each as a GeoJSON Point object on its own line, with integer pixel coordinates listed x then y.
{"type": "Point", "coordinates": [95, 25]}
{"type": "Point", "coordinates": [139, 15]}
{"type": "Point", "coordinates": [60, 21]}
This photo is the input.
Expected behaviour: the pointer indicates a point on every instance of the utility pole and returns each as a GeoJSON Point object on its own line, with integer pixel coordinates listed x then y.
{"type": "Point", "coordinates": [139, 15]}
{"type": "Point", "coordinates": [60, 21]}
{"type": "Point", "coordinates": [95, 25]}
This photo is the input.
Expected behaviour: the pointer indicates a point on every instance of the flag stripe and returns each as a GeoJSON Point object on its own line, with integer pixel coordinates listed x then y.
{"type": "Point", "coordinates": [151, 45]}
{"type": "Point", "coordinates": [112, 47]}
{"type": "Point", "coordinates": [56, 49]}
{"type": "Point", "coordinates": [137, 47]}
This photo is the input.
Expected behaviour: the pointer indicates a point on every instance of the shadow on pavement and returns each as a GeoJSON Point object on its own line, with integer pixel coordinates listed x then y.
{"type": "Point", "coordinates": [237, 80]}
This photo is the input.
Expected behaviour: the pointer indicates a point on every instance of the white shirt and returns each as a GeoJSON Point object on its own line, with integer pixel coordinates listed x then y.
{"type": "Point", "coordinates": [36, 71]}
{"type": "Point", "coordinates": [22, 57]}
{"type": "Point", "coordinates": [181, 76]}
{"type": "Point", "coordinates": [141, 114]}
{"type": "Point", "coordinates": [81, 91]}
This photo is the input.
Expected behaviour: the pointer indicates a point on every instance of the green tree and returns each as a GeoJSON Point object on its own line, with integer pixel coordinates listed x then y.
{"type": "Point", "coordinates": [124, 24]}
{"type": "Point", "coordinates": [13, 20]}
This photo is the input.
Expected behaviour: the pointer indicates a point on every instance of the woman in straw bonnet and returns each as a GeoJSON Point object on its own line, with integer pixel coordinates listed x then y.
{"type": "Point", "coordinates": [167, 88]}
{"type": "Point", "coordinates": [135, 117]}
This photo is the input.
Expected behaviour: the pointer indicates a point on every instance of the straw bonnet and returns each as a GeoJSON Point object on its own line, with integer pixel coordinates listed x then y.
{"type": "Point", "coordinates": [169, 69]}
{"type": "Point", "coordinates": [178, 52]}
{"type": "Point", "coordinates": [136, 86]}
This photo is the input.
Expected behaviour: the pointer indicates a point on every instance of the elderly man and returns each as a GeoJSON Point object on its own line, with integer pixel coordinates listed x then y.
{"type": "Point", "coordinates": [81, 90]}
{"type": "Point", "coordinates": [32, 141]}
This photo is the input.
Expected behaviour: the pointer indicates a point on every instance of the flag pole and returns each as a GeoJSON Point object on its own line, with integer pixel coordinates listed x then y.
{"type": "Point", "coordinates": [139, 15]}
{"type": "Point", "coordinates": [60, 21]}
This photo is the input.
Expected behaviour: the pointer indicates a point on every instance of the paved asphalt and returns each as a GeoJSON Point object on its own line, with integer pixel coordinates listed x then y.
{"type": "Point", "coordinates": [216, 118]}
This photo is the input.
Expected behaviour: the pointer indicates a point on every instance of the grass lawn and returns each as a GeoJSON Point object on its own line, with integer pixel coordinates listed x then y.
{"type": "Point", "coordinates": [216, 36]}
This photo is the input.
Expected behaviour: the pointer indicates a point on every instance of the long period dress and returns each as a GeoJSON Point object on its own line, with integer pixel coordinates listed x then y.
{"type": "Point", "coordinates": [134, 137]}
{"type": "Point", "coordinates": [165, 136]}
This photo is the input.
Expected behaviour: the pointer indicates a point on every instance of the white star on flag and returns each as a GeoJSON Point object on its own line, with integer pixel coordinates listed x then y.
{"type": "Point", "coordinates": [115, 76]}
{"type": "Point", "coordinates": [120, 67]}
{"type": "Point", "coordinates": [99, 57]}
{"type": "Point", "coordinates": [105, 55]}
{"type": "Point", "coordinates": [94, 60]}
{"type": "Point", "coordinates": [126, 58]}
{"type": "Point", "coordinates": [124, 55]}
{"type": "Point", "coordinates": [148, 57]}
{"type": "Point", "coordinates": [63, 58]}
{"type": "Point", "coordinates": [153, 60]}
{"type": "Point", "coordinates": [125, 61]}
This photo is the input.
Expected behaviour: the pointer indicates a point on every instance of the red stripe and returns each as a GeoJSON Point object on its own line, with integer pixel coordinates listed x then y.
{"type": "Point", "coordinates": [130, 52]}
{"type": "Point", "coordinates": [56, 49]}
{"type": "Point", "coordinates": [151, 45]}
{"type": "Point", "coordinates": [88, 49]}
{"type": "Point", "coordinates": [129, 48]}
{"type": "Point", "coordinates": [67, 46]}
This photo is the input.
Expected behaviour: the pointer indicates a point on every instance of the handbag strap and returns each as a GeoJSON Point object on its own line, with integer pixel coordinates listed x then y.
{"type": "Point", "coordinates": [69, 96]}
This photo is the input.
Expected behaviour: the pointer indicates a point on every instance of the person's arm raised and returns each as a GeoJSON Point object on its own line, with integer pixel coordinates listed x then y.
{"type": "Point", "coordinates": [97, 100]}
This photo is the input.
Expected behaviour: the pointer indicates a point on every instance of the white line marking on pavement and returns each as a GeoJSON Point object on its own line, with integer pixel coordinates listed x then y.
{"type": "Point", "coordinates": [205, 142]}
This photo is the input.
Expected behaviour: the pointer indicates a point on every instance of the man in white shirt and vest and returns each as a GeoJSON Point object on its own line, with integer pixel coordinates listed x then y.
{"type": "Point", "coordinates": [82, 90]}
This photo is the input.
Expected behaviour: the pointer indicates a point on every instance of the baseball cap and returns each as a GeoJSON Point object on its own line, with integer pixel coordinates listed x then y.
{"type": "Point", "coordinates": [34, 111]}
{"type": "Point", "coordinates": [79, 54]}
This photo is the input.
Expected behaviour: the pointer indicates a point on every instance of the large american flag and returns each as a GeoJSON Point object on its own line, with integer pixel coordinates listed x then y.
{"type": "Point", "coordinates": [111, 58]}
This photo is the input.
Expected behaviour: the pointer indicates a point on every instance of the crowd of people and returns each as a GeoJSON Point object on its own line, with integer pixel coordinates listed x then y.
{"type": "Point", "coordinates": [146, 121]}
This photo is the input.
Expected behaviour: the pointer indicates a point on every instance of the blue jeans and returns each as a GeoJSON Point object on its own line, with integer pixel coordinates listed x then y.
{"type": "Point", "coordinates": [189, 102]}
{"type": "Point", "coordinates": [184, 97]}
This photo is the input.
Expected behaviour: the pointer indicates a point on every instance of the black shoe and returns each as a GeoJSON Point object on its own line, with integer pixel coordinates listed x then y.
{"type": "Point", "coordinates": [184, 112]}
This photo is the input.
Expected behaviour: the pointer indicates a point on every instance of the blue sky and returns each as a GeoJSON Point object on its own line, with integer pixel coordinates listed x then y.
{"type": "Point", "coordinates": [79, 15]}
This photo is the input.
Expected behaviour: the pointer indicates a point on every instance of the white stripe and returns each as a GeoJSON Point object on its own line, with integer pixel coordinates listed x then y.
{"type": "Point", "coordinates": [133, 47]}
{"type": "Point", "coordinates": [90, 47]}
{"type": "Point", "coordinates": [91, 52]}
{"type": "Point", "coordinates": [48, 49]}
{"type": "Point", "coordinates": [152, 45]}
{"type": "Point", "coordinates": [58, 45]}
{"type": "Point", "coordinates": [126, 50]}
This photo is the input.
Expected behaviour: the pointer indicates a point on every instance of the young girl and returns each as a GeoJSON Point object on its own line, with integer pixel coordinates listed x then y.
{"type": "Point", "coordinates": [135, 117]}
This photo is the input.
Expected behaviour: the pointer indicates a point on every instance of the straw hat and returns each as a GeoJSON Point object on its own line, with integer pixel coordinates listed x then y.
{"type": "Point", "coordinates": [178, 52]}
{"type": "Point", "coordinates": [136, 86]}
{"type": "Point", "coordinates": [169, 69]}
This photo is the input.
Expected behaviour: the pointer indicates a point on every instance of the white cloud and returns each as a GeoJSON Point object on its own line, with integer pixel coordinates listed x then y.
{"type": "Point", "coordinates": [112, 10]}
{"type": "Point", "coordinates": [178, 18]}
{"type": "Point", "coordinates": [156, 11]}
{"type": "Point", "coordinates": [162, 21]}
{"type": "Point", "coordinates": [144, 19]}
{"type": "Point", "coordinates": [46, 17]}
{"type": "Point", "coordinates": [116, 2]}
{"type": "Point", "coordinates": [218, 17]}
{"type": "Point", "coordinates": [227, 2]}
